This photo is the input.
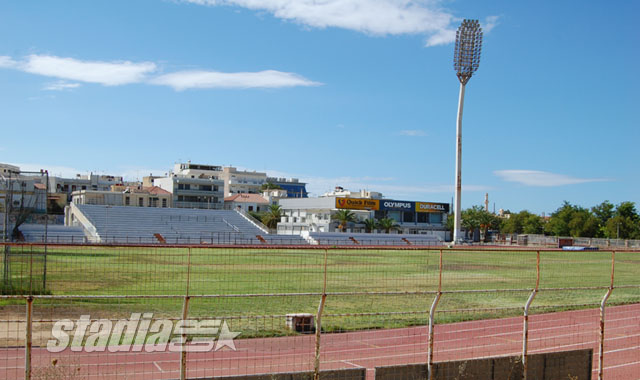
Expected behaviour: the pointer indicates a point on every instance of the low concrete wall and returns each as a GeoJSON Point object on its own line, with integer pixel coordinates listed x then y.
{"type": "Point", "coordinates": [574, 365]}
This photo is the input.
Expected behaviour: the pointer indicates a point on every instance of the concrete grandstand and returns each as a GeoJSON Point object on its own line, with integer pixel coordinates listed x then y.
{"type": "Point", "coordinates": [114, 224]}
{"type": "Point", "coordinates": [86, 224]}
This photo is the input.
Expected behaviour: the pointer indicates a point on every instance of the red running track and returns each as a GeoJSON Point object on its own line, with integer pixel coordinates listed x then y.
{"type": "Point", "coordinates": [368, 349]}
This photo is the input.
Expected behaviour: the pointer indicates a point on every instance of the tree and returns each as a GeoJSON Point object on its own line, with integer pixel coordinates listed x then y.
{"type": "Point", "coordinates": [627, 210]}
{"type": "Point", "coordinates": [370, 225]}
{"type": "Point", "coordinates": [532, 223]}
{"type": "Point", "coordinates": [344, 217]}
{"type": "Point", "coordinates": [570, 220]}
{"type": "Point", "coordinates": [387, 224]}
{"type": "Point", "coordinates": [477, 217]}
{"type": "Point", "coordinates": [270, 186]}
{"type": "Point", "coordinates": [450, 224]}
{"type": "Point", "coordinates": [604, 211]}
{"type": "Point", "coordinates": [625, 224]}
{"type": "Point", "coordinates": [487, 222]}
{"type": "Point", "coordinates": [469, 220]}
{"type": "Point", "coordinates": [272, 217]}
{"type": "Point", "coordinates": [523, 222]}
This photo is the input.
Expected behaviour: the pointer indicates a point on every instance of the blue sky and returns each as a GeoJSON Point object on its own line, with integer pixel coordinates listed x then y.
{"type": "Point", "coordinates": [355, 93]}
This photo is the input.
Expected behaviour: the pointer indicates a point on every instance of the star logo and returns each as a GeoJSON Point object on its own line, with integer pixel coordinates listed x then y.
{"type": "Point", "coordinates": [226, 338]}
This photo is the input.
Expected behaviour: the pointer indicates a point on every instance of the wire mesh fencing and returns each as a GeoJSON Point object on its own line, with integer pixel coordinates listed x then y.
{"type": "Point", "coordinates": [150, 312]}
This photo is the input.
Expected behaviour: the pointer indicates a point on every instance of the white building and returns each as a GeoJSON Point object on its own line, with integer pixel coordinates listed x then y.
{"type": "Point", "coordinates": [96, 182]}
{"type": "Point", "coordinates": [9, 170]}
{"type": "Point", "coordinates": [246, 203]}
{"type": "Point", "coordinates": [241, 181]}
{"type": "Point", "coordinates": [135, 196]}
{"type": "Point", "coordinates": [315, 215]}
{"type": "Point", "coordinates": [192, 186]}
{"type": "Point", "coordinates": [311, 214]}
{"type": "Point", "coordinates": [339, 191]}
{"type": "Point", "coordinates": [19, 190]}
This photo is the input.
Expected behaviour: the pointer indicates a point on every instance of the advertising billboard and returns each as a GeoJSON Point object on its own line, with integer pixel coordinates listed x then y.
{"type": "Point", "coordinates": [432, 207]}
{"type": "Point", "coordinates": [393, 205]}
{"type": "Point", "coordinates": [357, 204]}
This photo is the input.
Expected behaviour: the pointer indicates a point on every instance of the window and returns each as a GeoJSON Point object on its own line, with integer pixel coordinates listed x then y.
{"type": "Point", "coordinates": [140, 202]}
{"type": "Point", "coordinates": [127, 201]}
{"type": "Point", "coordinates": [250, 208]}
{"type": "Point", "coordinates": [205, 187]}
{"type": "Point", "coordinates": [423, 217]}
{"type": "Point", "coordinates": [435, 218]}
{"type": "Point", "coordinates": [408, 216]}
{"type": "Point", "coordinates": [164, 202]}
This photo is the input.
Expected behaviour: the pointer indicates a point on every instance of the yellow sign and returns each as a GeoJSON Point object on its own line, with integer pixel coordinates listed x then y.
{"type": "Point", "coordinates": [431, 207]}
{"type": "Point", "coordinates": [357, 204]}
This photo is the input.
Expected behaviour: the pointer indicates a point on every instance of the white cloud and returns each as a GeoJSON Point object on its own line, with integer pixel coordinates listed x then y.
{"type": "Point", "coordinates": [60, 86]}
{"type": "Point", "coordinates": [448, 35]}
{"type": "Point", "coordinates": [7, 62]}
{"type": "Point", "coordinates": [542, 179]}
{"type": "Point", "coordinates": [442, 37]}
{"type": "Point", "coordinates": [106, 73]}
{"type": "Point", "coordinates": [183, 80]}
{"type": "Point", "coordinates": [377, 17]}
{"type": "Point", "coordinates": [490, 23]}
{"type": "Point", "coordinates": [125, 72]}
{"type": "Point", "coordinates": [413, 133]}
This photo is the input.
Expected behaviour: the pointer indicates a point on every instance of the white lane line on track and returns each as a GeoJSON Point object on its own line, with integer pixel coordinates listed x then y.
{"type": "Point", "coordinates": [353, 364]}
{"type": "Point", "coordinates": [158, 367]}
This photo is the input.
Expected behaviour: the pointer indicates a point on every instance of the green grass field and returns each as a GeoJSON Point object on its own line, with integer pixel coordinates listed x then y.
{"type": "Point", "coordinates": [269, 273]}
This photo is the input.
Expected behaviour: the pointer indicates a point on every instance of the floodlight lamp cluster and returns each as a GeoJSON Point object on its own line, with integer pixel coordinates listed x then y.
{"type": "Point", "coordinates": [466, 56]}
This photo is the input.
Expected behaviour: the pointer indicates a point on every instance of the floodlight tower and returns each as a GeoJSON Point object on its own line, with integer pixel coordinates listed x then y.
{"type": "Point", "coordinates": [466, 59]}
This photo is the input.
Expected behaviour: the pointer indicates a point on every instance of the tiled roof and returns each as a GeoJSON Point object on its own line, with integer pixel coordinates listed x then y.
{"type": "Point", "coordinates": [246, 198]}
{"type": "Point", "coordinates": [156, 190]}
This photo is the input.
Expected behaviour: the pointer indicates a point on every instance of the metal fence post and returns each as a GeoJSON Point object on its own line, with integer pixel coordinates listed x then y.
{"type": "Point", "coordinates": [602, 306]}
{"type": "Point", "coordinates": [525, 329]}
{"type": "Point", "coordinates": [185, 311]}
{"type": "Point", "coordinates": [28, 339]}
{"type": "Point", "coordinates": [432, 312]}
{"type": "Point", "coordinates": [316, 365]}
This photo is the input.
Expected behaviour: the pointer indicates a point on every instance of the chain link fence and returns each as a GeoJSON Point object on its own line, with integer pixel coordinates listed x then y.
{"type": "Point", "coordinates": [178, 312]}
